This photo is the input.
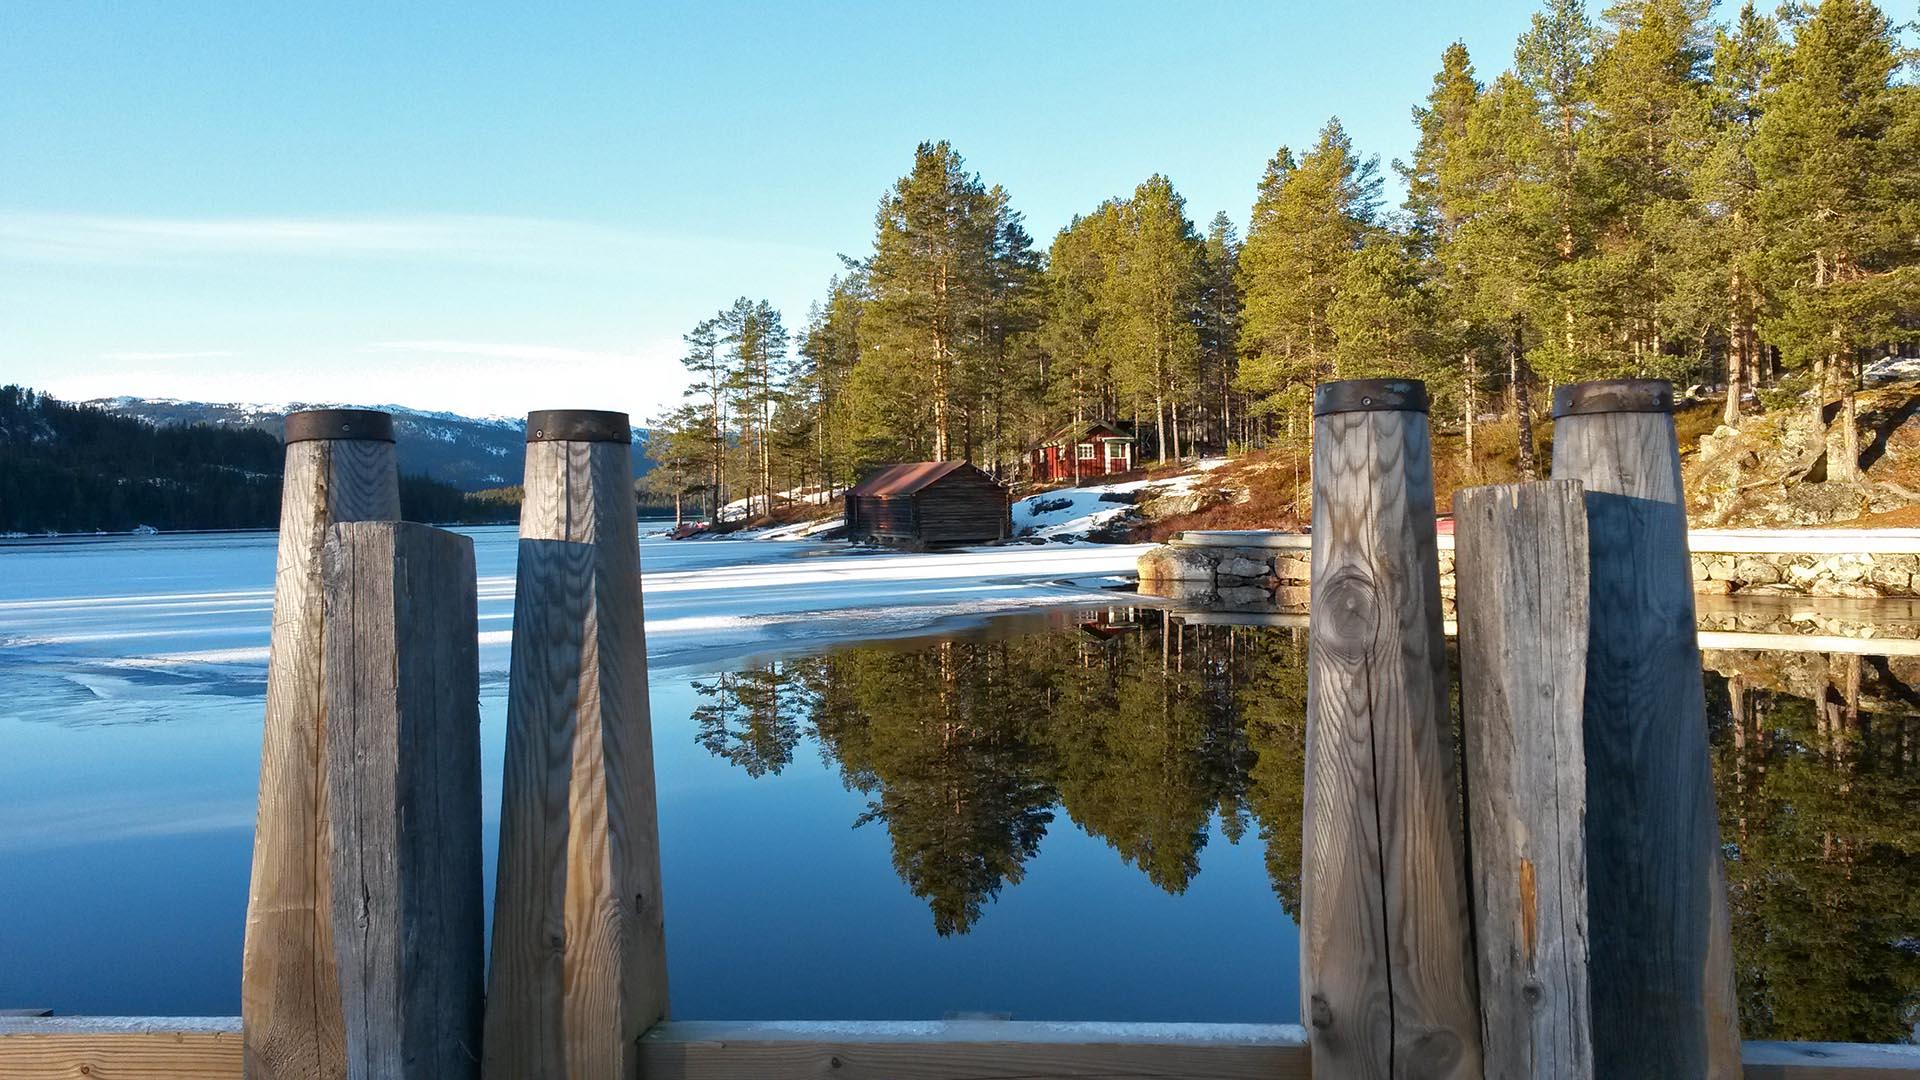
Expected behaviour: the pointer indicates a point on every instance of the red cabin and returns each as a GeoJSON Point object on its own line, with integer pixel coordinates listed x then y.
{"type": "Point", "coordinates": [1099, 449]}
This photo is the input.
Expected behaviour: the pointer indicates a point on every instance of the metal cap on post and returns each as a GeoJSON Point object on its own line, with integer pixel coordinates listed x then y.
{"type": "Point", "coordinates": [1370, 395]}
{"type": "Point", "coordinates": [1613, 396]}
{"type": "Point", "coordinates": [578, 425]}
{"type": "Point", "coordinates": [312, 425]}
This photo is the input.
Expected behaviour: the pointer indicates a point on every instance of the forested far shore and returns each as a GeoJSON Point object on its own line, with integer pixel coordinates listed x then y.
{"type": "Point", "coordinates": [1729, 203]}
{"type": "Point", "coordinates": [69, 468]}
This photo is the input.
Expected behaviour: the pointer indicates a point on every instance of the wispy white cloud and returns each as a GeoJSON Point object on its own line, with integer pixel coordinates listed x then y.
{"type": "Point", "coordinates": [494, 350]}
{"type": "Point", "coordinates": [95, 238]}
{"type": "Point", "coordinates": [135, 356]}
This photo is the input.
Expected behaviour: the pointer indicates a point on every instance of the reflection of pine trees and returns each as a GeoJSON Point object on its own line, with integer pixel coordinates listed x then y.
{"type": "Point", "coordinates": [964, 748]}
{"type": "Point", "coordinates": [1817, 805]}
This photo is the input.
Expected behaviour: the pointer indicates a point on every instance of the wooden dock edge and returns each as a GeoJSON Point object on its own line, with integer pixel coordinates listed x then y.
{"type": "Point", "coordinates": [208, 1048]}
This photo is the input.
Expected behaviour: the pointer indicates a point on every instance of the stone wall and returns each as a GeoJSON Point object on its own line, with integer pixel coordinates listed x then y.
{"type": "Point", "coordinates": [1239, 565]}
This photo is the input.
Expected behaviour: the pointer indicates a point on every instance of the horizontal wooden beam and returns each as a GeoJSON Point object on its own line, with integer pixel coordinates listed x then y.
{"type": "Point", "coordinates": [208, 1048]}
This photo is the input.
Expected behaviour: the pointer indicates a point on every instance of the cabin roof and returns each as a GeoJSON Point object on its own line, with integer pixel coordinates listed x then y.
{"type": "Point", "coordinates": [904, 479]}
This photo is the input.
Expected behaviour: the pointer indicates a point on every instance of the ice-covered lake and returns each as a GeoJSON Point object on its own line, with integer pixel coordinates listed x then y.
{"type": "Point", "coordinates": [983, 783]}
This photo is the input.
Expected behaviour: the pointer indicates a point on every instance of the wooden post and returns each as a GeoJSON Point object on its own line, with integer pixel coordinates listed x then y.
{"type": "Point", "coordinates": [339, 467]}
{"type": "Point", "coordinates": [1661, 965]}
{"type": "Point", "coordinates": [403, 781]}
{"type": "Point", "coordinates": [579, 965]}
{"type": "Point", "coordinates": [1521, 559]}
{"type": "Point", "coordinates": [1387, 983]}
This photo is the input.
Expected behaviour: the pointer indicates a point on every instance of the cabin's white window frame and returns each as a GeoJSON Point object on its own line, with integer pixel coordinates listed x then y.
{"type": "Point", "coordinates": [1085, 451]}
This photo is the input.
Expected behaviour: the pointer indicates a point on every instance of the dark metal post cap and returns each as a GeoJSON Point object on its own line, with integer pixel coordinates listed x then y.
{"type": "Point", "coordinates": [578, 425]}
{"type": "Point", "coordinates": [1613, 396]}
{"type": "Point", "coordinates": [314, 424]}
{"type": "Point", "coordinates": [1370, 395]}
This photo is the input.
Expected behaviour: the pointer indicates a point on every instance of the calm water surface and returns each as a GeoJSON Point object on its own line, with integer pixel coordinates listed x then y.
{"type": "Point", "coordinates": [1081, 814]}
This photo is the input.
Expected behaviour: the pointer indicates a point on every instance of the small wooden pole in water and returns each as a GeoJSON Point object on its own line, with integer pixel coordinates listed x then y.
{"type": "Point", "coordinates": [1661, 965]}
{"type": "Point", "coordinates": [403, 775]}
{"type": "Point", "coordinates": [1521, 559]}
{"type": "Point", "coordinates": [1387, 981]}
{"type": "Point", "coordinates": [579, 968]}
{"type": "Point", "coordinates": [339, 467]}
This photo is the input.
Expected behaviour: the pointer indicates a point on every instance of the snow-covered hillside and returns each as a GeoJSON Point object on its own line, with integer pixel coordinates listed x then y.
{"type": "Point", "coordinates": [469, 452]}
{"type": "Point", "coordinates": [1077, 513]}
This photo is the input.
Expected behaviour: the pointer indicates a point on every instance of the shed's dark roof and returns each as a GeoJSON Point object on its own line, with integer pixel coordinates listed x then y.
{"type": "Point", "coordinates": [904, 479]}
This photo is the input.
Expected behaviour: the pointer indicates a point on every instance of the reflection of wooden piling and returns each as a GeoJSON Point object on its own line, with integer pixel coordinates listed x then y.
{"type": "Point", "coordinates": [1661, 966]}
{"type": "Point", "coordinates": [339, 467]}
{"type": "Point", "coordinates": [578, 970]}
{"type": "Point", "coordinates": [1522, 565]}
{"type": "Point", "coordinates": [1387, 984]}
{"type": "Point", "coordinates": [403, 783]}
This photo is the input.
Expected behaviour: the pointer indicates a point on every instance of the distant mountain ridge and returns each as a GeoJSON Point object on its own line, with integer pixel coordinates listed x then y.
{"type": "Point", "coordinates": [471, 453]}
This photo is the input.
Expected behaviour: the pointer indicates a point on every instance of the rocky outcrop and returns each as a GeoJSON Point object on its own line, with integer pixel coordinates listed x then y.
{"type": "Point", "coordinates": [1773, 469]}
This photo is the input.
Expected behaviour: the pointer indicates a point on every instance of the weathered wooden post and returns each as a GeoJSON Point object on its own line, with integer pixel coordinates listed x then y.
{"type": "Point", "coordinates": [339, 467]}
{"type": "Point", "coordinates": [579, 964]}
{"type": "Point", "coordinates": [1661, 965]}
{"type": "Point", "coordinates": [1521, 567]}
{"type": "Point", "coordinates": [1387, 983]}
{"type": "Point", "coordinates": [402, 669]}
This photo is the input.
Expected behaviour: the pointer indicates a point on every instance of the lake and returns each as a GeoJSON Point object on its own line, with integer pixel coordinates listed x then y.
{"type": "Point", "coordinates": [1086, 810]}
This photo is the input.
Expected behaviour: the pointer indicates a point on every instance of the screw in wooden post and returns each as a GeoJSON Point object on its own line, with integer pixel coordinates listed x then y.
{"type": "Point", "coordinates": [403, 773]}
{"type": "Point", "coordinates": [339, 467]}
{"type": "Point", "coordinates": [1521, 571]}
{"type": "Point", "coordinates": [1387, 983]}
{"type": "Point", "coordinates": [578, 968]}
{"type": "Point", "coordinates": [1661, 966]}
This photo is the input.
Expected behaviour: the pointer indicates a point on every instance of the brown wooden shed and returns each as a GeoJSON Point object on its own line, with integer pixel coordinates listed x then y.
{"type": "Point", "coordinates": [928, 504]}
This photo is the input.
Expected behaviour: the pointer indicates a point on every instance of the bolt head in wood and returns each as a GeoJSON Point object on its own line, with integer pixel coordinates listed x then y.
{"type": "Point", "coordinates": [1613, 396]}
{"type": "Point", "coordinates": [314, 424]}
{"type": "Point", "coordinates": [1370, 395]}
{"type": "Point", "coordinates": [578, 425]}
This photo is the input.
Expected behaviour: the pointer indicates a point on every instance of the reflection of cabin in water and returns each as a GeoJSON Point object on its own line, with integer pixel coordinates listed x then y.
{"type": "Point", "coordinates": [928, 504]}
{"type": "Point", "coordinates": [1078, 451]}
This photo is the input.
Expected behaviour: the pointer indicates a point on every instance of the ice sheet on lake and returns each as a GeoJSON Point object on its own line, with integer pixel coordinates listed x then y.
{"type": "Point", "coordinates": [110, 627]}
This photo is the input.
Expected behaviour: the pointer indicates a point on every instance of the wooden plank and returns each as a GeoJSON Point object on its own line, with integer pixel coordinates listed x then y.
{"type": "Point", "coordinates": [1661, 962]}
{"type": "Point", "coordinates": [289, 989]}
{"type": "Point", "coordinates": [1523, 658]}
{"type": "Point", "coordinates": [579, 947]}
{"type": "Point", "coordinates": [208, 1048]}
{"type": "Point", "coordinates": [966, 1050]}
{"type": "Point", "coordinates": [121, 1048]}
{"type": "Point", "coordinates": [403, 765]}
{"type": "Point", "coordinates": [1386, 958]}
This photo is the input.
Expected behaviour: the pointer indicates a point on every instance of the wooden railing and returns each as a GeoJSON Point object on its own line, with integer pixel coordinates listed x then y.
{"type": "Point", "coordinates": [363, 953]}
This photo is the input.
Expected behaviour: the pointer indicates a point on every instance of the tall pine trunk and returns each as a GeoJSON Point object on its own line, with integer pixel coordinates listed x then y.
{"type": "Point", "coordinates": [1472, 404]}
{"type": "Point", "coordinates": [1736, 352]}
{"type": "Point", "coordinates": [1517, 374]}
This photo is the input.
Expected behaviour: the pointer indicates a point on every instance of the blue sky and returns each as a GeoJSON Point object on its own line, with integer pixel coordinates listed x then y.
{"type": "Point", "coordinates": [493, 208]}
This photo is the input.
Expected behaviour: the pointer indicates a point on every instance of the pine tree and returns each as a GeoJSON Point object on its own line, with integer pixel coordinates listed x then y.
{"type": "Point", "coordinates": [756, 359]}
{"type": "Point", "coordinates": [1650, 130]}
{"type": "Point", "coordinates": [1151, 293]}
{"type": "Point", "coordinates": [929, 271]}
{"type": "Point", "coordinates": [1834, 155]}
{"type": "Point", "coordinates": [1308, 221]}
{"type": "Point", "coordinates": [707, 390]}
{"type": "Point", "coordinates": [1554, 64]}
{"type": "Point", "coordinates": [1437, 204]}
{"type": "Point", "coordinates": [1219, 324]}
{"type": "Point", "coordinates": [1728, 264]}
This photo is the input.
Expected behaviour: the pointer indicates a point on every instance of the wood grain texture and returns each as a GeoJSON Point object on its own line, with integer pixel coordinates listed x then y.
{"type": "Point", "coordinates": [1522, 600]}
{"type": "Point", "coordinates": [289, 989]}
{"type": "Point", "coordinates": [1386, 959]}
{"type": "Point", "coordinates": [208, 1048]}
{"type": "Point", "coordinates": [579, 948]}
{"type": "Point", "coordinates": [1661, 953]}
{"type": "Point", "coordinates": [403, 764]}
